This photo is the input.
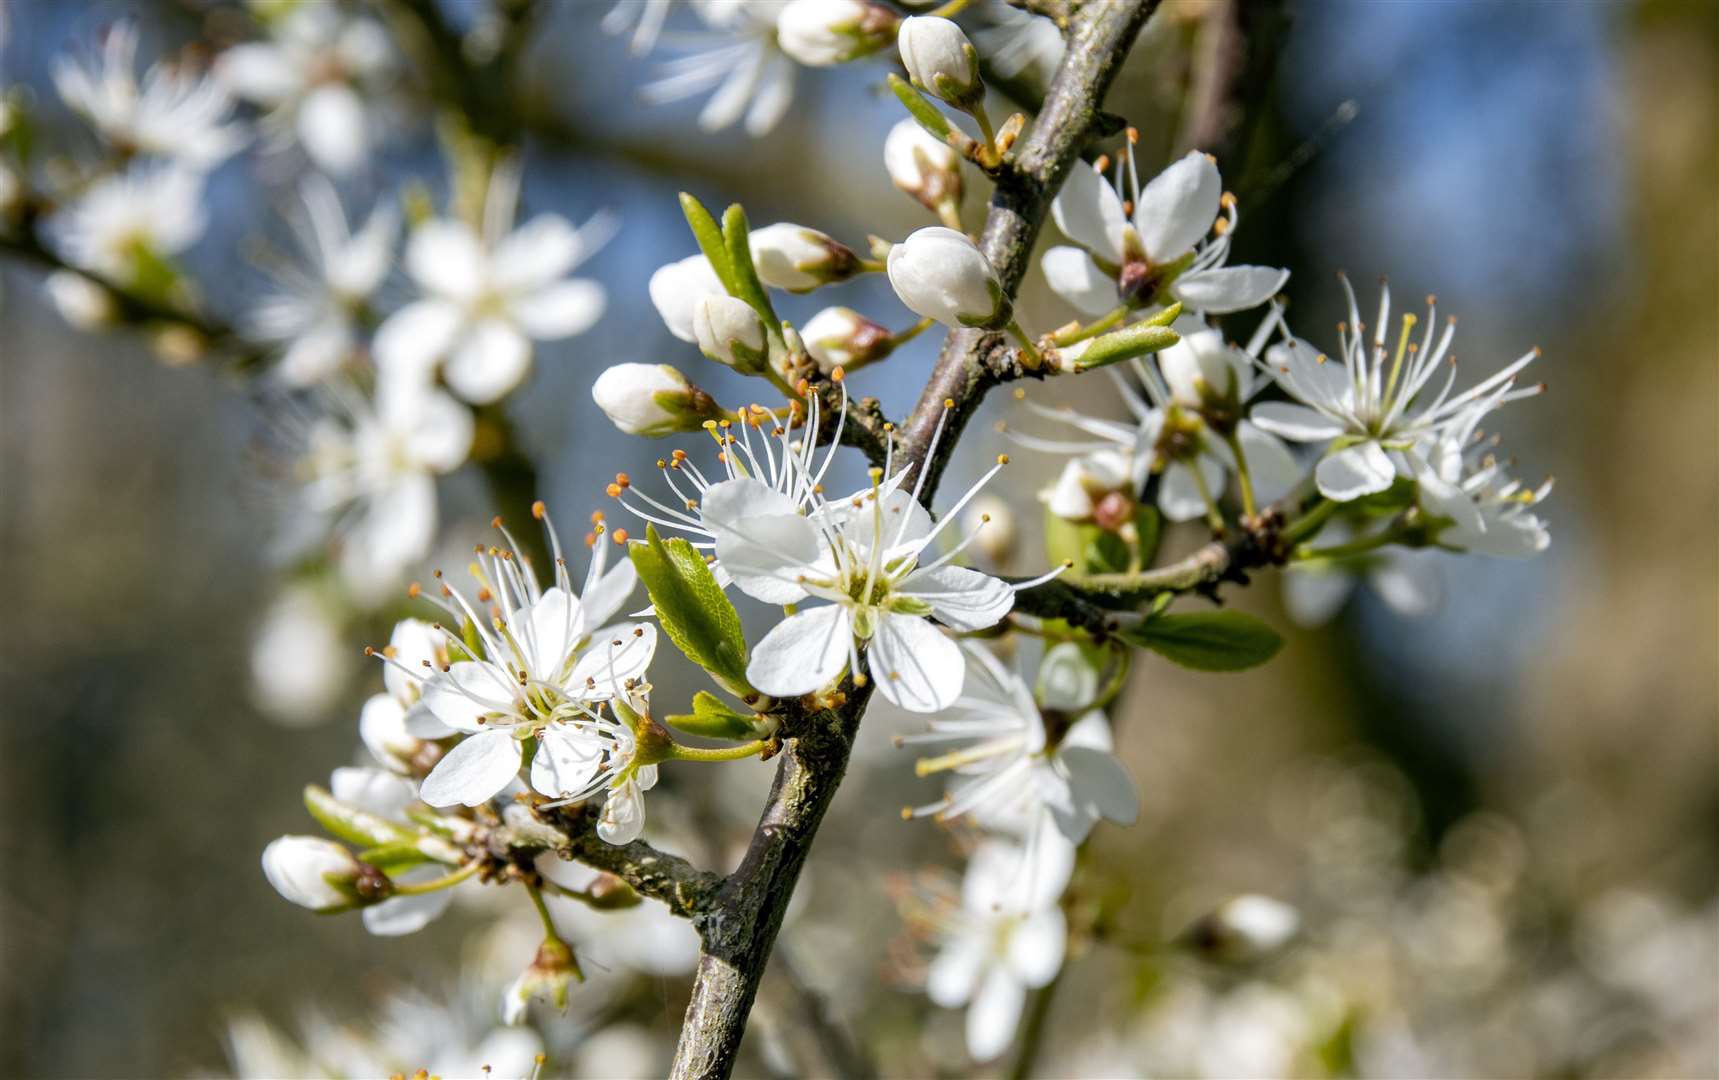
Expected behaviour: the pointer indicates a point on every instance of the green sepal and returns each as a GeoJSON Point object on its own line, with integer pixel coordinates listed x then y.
{"type": "Point", "coordinates": [1208, 640]}
{"type": "Point", "coordinates": [1400, 496]}
{"type": "Point", "coordinates": [393, 857]}
{"type": "Point", "coordinates": [351, 824]}
{"type": "Point", "coordinates": [712, 718]}
{"type": "Point", "coordinates": [930, 117]}
{"type": "Point", "coordinates": [747, 287]}
{"type": "Point", "coordinates": [693, 610]}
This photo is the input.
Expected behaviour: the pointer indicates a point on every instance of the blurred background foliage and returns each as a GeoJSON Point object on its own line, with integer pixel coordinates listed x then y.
{"type": "Point", "coordinates": [1500, 821]}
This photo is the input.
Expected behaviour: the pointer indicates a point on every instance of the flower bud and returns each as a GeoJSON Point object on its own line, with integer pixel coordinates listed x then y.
{"type": "Point", "coordinates": [823, 33]}
{"type": "Point", "coordinates": [652, 400]}
{"type": "Point", "coordinates": [922, 165]}
{"type": "Point", "coordinates": [1201, 369]}
{"type": "Point", "coordinates": [551, 973]}
{"type": "Point", "coordinates": [991, 522]}
{"type": "Point", "coordinates": [940, 59]}
{"type": "Point", "coordinates": [1244, 929]}
{"type": "Point", "coordinates": [81, 302]}
{"type": "Point", "coordinates": [839, 337]}
{"type": "Point", "coordinates": [1085, 483]}
{"type": "Point", "coordinates": [320, 874]}
{"type": "Point", "coordinates": [677, 287]}
{"type": "Point", "coordinates": [942, 275]}
{"type": "Point", "coordinates": [799, 259]}
{"type": "Point", "coordinates": [730, 332]}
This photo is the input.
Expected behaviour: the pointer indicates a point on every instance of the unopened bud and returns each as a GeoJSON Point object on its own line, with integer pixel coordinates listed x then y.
{"type": "Point", "coordinates": [80, 301]}
{"type": "Point", "coordinates": [1085, 482]}
{"type": "Point", "coordinates": [923, 165]}
{"type": "Point", "coordinates": [941, 274]}
{"type": "Point", "coordinates": [1244, 929]}
{"type": "Point", "coordinates": [823, 33]}
{"type": "Point", "coordinates": [320, 874]}
{"type": "Point", "coordinates": [1201, 368]}
{"type": "Point", "coordinates": [678, 287]}
{"type": "Point", "coordinates": [552, 972]}
{"type": "Point", "coordinates": [940, 59]}
{"type": "Point", "coordinates": [839, 337]}
{"type": "Point", "coordinates": [652, 400]}
{"type": "Point", "coordinates": [798, 259]}
{"type": "Point", "coordinates": [610, 893]}
{"type": "Point", "coordinates": [730, 332]}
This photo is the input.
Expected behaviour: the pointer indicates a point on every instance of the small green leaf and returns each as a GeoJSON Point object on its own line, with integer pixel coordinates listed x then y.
{"type": "Point", "coordinates": [930, 117]}
{"type": "Point", "coordinates": [693, 610]}
{"type": "Point", "coordinates": [735, 233]}
{"type": "Point", "coordinates": [1125, 344]}
{"type": "Point", "coordinates": [710, 240]}
{"type": "Point", "coordinates": [1208, 640]}
{"type": "Point", "coordinates": [351, 824]}
{"type": "Point", "coordinates": [393, 857]}
{"type": "Point", "coordinates": [712, 718]}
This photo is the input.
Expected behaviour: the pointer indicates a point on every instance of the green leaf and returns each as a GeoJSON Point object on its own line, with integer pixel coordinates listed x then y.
{"type": "Point", "coordinates": [710, 240]}
{"type": "Point", "coordinates": [930, 117]}
{"type": "Point", "coordinates": [712, 718]}
{"type": "Point", "coordinates": [1208, 640]}
{"type": "Point", "coordinates": [1125, 344]}
{"type": "Point", "coordinates": [393, 857]}
{"type": "Point", "coordinates": [693, 610]}
{"type": "Point", "coordinates": [735, 233]}
{"type": "Point", "coordinates": [351, 824]}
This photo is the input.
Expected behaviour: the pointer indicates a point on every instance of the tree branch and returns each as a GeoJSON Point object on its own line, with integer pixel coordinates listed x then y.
{"type": "Point", "coordinates": [739, 931]}
{"type": "Point", "coordinates": [685, 888]}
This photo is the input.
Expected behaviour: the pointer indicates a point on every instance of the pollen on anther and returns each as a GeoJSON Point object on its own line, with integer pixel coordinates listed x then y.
{"type": "Point", "coordinates": [1102, 163]}
{"type": "Point", "coordinates": [1002, 459]}
{"type": "Point", "coordinates": [495, 522]}
{"type": "Point", "coordinates": [413, 590]}
{"type": "Point", "coordinates": [948, 403]}
{"type": "Point", "coordinates": [620, 536]}
{"type": "Point", "coordinates": [613, 491]}
{"type": "Point", "coordinates": [369, 650]}
{"type": "Point", "coordinates": [837, 375]}
{"type": "Point", "coordinates": [1133, 135]}
{"type": "Point", "coordinates": [538, 509]}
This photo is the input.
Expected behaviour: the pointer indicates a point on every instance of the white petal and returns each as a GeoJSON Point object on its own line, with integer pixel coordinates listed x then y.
{"type": "Point", "coordinates": [1036, 947]}
{"type": "Point", "coordinates": [550, 630]}
{"type": "Point", "coordinates": [561, 310]}
{"type": "Point", "coordinates": [565, 762]}
{"type": "Point", "coordinates": [1313, 595]}
{"type": "Point", "coordinates": [992, 1017]}
{"type": "Point", "coordinates": [410, 341]}
{"type": "Point", "coordinates": [1354, 471]}
{"type": "Point", "coordinates": [677, 288]}
{"type": "Point", "coordinates": [492, 359]}
{"type": "Point", "coordinates": [445, 257]}
{"type": "Point", "coordinates": [1179, 496]}
{"type": "Point", "coordinates": [258, 72]}
{"type": "Point", "coordinates": [1274, 468]}
{"type": "Point", "coordinates": [604, 598]}
{"type": "Point", "coordinates": [766, 556]}
{"type": "Point", "coordinates": [331, 127]}
{"type": "Point", "coordinates": [1407, 583]}
{"type": "Point", "coordinates": [955, 972]}
{"type": "Point", "coordinates": [372, 790]}
{"type": "Point", "coordinates": [914, 665]}
{"type": "Point", "coordinates": [1089, 212]}
{"type": "Point", "coordinates": [802, 653]}
{"type": "Point", "coordinates": [1100, 781]}
{"type": "Point", "coordinates": [961, 598]}
{"type": "Point", "coordinates": [1178, 207]}
{"type": "Point", "coordinates": [437, 429]}
{"type": "Point", "coordinates": [536, 254]}
{"type": "Point", "coordinates": [609, 666]}
{"type": "Point", "coordinates": [466, 692]}
{"type": "Point", "coordinates": [1073, 275]}
{"type": "Point", "coordinates": [623, 819]}
{"type": "Point", "coordinates": [1295, 422]}
{"type": "Point", "coordinates": [1228, 288]}
{"type": "Point", "coordinates": [474, 771]}
{"type": "Point", "coordinates": [402, 915]}
{"type": "Point", "coordinates": [315, 354]}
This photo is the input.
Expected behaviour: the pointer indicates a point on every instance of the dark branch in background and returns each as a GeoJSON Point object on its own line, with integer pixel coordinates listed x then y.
{"type": "Point", "coordinates": [739, 931]}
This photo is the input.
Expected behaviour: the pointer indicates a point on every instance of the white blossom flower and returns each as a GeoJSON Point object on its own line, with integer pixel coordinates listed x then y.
{"type": "Point", "coordinates": [1150, 249]}
{"type": "Point", "coordinates": [314, 316]}
{"type": "Point", "coordinates": [488, 295]}
{"type": "Point", "coordinates": [1377, 407]}
{"type": "Point", "coordinates": [311, 872]}
{"type": "Point", "coordinates": [676, 290]}
{"type": "Point", "coordinates": [387, 795]}
{"type": "Point", "coordinates": [174, 113]}
{"type": "Point", "coordinates": [1314, 591]}
{"type": "Point", "coordinates": [123, 226]}
{"type": "Point", "coordinates": [742, 62]}
{"type": "Point", "coordinates": [317, 76]}
{"type": "Point", "coordinates": [395, 723]}
{"type": "Point", "coordinates": [1168, 436]}
{"type": "Point", "coordinates": [824, 33]}
{"type": "Point", "coordinates": [1479, 507]}
{"type": "Point", "coordinates": [368, 474]}
{"type": "Point", "coordinates": [941, 274]}
{"type": "Point", "coordinates": [299, 658]}
{"type": "Point", "coordinates": [1019, 760]}
{"type": "Point", "coordinates": [547, 667]}
{"type": "Point", "coordinates": [862, 554]}
{"type": "Point", "coordinates": [1000, 944]}
{"type": "Point", "coordinates": [922, 165]}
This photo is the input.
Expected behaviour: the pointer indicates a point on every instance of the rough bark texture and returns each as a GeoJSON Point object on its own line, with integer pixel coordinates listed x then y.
{"type": "Point", "coordinates": [739, 928]}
